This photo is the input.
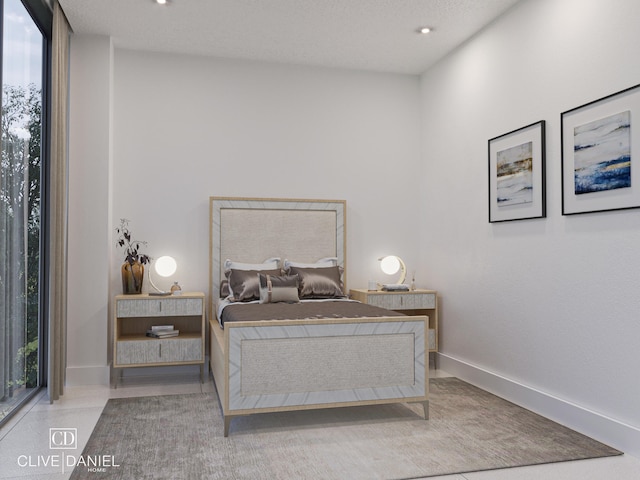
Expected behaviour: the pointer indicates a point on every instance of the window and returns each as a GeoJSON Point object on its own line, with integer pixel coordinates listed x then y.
{"type": "Point", "coordinates": [22, 182]}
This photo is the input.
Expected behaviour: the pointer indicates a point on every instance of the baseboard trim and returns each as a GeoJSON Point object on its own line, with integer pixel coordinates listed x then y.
{"type": "Point", "coordinates": [607, 430]}
{"type": "Point", "coordinates": [79, 376]}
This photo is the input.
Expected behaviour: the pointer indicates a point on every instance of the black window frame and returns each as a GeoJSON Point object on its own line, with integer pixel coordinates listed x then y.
{"type": "Point", "coordinates": [42, 15]}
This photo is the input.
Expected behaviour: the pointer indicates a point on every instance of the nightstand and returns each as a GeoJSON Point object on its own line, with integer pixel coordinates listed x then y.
{"type": "Point", "coordinates": [135, 314]}
{"type": "Point", "coordinates": [415, 302]}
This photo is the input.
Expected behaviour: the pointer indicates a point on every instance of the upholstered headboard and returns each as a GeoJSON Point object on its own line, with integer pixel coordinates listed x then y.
{"type": "Point", "coordinates": [250, 230]}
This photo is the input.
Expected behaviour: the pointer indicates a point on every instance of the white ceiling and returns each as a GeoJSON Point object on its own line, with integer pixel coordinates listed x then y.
{"type": "Point", "coordinates": [375, 35]}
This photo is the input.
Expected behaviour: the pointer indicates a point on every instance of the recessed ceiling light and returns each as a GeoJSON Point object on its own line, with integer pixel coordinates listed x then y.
{"type": "Point", "coordinates": [161, 2]}
{"type": "Point", "coordinates": [424, 30]}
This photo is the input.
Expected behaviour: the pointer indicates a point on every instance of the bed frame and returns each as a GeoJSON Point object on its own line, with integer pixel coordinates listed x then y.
{"type": "Point", "coordinates": [282, 365]}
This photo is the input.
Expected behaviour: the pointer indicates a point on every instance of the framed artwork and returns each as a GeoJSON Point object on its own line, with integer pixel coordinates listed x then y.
{"type": "Point", "coordinates": [517, 174]}
{"type": "Point", "coordinates": [599, 148]}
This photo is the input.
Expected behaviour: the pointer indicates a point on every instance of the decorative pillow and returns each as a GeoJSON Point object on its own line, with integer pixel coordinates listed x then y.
{"type": "Point", "coordinates": [323, 262]}
{"type": "Point", "coordinates": [318, 282]}
{"type": "Point", "coordinates": [268, 264]}
{"type": "Point", "coordinates": [244, 284]}
{"type": "Point", "coordinates": [224, 289]}
{"type": "Point", "coordinates": [275, 289]}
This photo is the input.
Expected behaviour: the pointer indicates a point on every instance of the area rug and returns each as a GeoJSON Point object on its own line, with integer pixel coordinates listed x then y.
{"type": "Point", "coordinates": [181, 437]}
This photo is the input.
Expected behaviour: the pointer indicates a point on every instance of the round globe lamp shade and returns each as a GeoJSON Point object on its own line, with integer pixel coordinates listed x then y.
{"type": "Point", "coordinates": [166, 266]}
{"type": "Point", "coordinates": [390, 264]}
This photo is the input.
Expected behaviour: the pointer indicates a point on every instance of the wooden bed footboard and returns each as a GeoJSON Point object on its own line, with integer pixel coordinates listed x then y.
{"type": "Point", "coordinates": [283, 365]}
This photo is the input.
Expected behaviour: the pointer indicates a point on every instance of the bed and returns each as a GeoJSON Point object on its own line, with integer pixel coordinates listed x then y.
{"type": "Point", "coordinates": [273, 356]}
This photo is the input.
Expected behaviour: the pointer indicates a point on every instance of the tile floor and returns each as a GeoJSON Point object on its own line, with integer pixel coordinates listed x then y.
{"type": "Point", "coordinates": [25, 451]}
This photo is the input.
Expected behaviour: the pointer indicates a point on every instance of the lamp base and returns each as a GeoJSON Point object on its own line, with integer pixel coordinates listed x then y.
{"type": "Point", "coordinates": [395, 287]}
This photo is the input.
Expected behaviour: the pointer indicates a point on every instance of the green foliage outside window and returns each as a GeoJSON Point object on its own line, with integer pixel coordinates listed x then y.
{"type": "Point", "coordinates": [21, 171]}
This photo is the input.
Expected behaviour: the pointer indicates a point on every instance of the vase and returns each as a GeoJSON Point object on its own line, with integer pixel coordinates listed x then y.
{"type": "Point", "coordinates": [132, 276]}
{"type": "Point", "coordinates": [176, 289]}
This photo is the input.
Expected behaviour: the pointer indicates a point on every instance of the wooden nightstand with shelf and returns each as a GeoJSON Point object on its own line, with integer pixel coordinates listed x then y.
{"type": "Point", "coordinates": [135, 314]}
{"type": "Point", "coordinates": [414, 302]}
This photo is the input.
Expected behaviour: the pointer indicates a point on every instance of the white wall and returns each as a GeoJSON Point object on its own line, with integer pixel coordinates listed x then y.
{"type": "Point", "coordinates": [543, 310]}
{"type": "Point", "coordinates": [89, 220]}
{"type": "Point", "coordinates": [187, 128]}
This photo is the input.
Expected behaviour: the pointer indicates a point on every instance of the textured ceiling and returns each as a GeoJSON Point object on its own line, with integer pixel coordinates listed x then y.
{"type": "Point", "coordinates": [375, 35]}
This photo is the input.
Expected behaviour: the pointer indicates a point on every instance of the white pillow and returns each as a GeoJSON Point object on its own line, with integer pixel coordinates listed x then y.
{"type": "Point", "coordinates": [274, 289]}
{"type": "Point", "coordinates": [268, 264]}
{"type": "Point", "coordinates": [323, 262]}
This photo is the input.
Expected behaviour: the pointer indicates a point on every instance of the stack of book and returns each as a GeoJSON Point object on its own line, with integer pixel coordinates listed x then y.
{"type": "Point", "coordinates": [162, 331]}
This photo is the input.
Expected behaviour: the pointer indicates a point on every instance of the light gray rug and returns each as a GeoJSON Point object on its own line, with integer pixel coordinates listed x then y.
{"type": "Point", "coordinates": [180, 437]}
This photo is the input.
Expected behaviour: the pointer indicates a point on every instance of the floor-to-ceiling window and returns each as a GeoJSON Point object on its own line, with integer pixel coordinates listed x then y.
{"type": "Point", "coordinates": [22, 188]}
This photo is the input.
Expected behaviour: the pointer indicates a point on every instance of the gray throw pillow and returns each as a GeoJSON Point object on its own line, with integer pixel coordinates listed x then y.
{"type": "Point", "coordinates": [244, 284]}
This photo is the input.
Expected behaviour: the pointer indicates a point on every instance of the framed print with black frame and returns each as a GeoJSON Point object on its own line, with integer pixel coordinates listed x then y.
{"type": "Point", "coordinates": [599, 148]}
{"type": "Point", "coordinates": [517, 174]}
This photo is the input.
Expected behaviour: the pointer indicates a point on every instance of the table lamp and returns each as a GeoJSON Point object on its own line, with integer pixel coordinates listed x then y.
{"type": "Point", "coordinates": [164, 266]}
{"type": "Point", "coordinates": [390, 265]}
